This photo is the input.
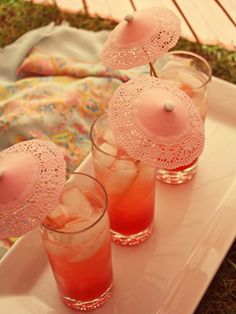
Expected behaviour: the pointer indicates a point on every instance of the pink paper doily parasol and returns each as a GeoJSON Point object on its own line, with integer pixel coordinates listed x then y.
{"type": "Point", "coordinates": [156, 122]}
{"type": "Point", "coordinates": [32, 177]}
{"type": "Point", "coordinates": [141, 38]}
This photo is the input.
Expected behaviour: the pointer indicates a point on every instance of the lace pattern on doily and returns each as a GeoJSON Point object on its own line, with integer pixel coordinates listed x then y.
{"type": "Point", "coordinates": [44, 197]}
{"type": "Point", "coordinates": [182, 150]}
{"type": "Point", "coordinates": [166, 36]}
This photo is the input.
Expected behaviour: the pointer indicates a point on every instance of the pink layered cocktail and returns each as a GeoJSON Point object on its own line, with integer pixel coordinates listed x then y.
{"type": "Point", "coordinates": [77, 239]}
{"type": "Point", "coordinates": [130, 186]}
{"type": "Point", "coordinates": [192, 74]}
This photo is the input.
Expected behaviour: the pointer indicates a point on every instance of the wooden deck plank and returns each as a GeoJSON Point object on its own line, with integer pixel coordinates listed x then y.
{"type": "Point", "coordinates": [198, 23]}
{"type": "Point", "coordinates": [100, 8]}
{"type": "Point", "coordinates": [64, 5]}
{"type": "Point", "coordinates": [207, 19]}
{"type": "Point", "coordinates": [168, 4]}
{"type": "Point", "coordinates": [218, 21]}
{"type": "Point", "coordinates": [109, 8]}
{"type": "Point", "coordinates": [67, 5]}
{"type": "Point", "coordinates": [187, 20]}
{"type": "Point", "coordinates": [230, 7]}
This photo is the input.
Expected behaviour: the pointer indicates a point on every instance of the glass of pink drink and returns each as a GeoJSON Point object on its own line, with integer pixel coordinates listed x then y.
{"type": "Point", "coordinates": [77, 240]}
{"type": "Point", "coordinates": [191, 73]}
{"type": "Point", "coordinates": [130, 186]}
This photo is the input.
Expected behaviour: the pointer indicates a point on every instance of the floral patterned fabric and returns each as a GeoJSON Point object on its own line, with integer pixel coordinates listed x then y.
{"type": "Point", "coordinates": [60, 109]}
{"type": "Point", "coordinates": [57, 94]}
{"type": "Point", "coordinates": [55, 99]}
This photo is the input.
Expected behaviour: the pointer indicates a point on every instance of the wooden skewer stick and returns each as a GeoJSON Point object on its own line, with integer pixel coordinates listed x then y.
{"type": "Point", "coordinates": [153, 69]}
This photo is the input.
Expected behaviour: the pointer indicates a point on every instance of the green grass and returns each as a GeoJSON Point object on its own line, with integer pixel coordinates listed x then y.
{"type": "Point", "coordinates": [18, 17]}
{"type": "Point", "coordinates": [222, 61]}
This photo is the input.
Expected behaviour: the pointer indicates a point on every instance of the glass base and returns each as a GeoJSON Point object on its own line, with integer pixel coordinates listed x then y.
{"type": "Point", "coordinates": [87, 305]}
{"type": "Point", "coordinates": [176, 177]}
{"type": "Point", "coordinates": [133, 239]}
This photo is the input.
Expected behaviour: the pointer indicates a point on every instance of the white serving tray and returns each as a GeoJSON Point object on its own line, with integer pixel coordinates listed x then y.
{"type": "Point", "coordinates": [169, 273]}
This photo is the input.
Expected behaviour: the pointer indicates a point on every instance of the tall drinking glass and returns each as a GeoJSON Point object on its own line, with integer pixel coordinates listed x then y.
{"type": "Point", "coordinates": [130, 186]}
{"type": "Point", "coordinates": [191, 73]}
{"type": "Point", "coordinates": [77, 240]}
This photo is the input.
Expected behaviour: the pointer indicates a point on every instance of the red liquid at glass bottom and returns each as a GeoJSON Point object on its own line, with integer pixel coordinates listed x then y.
{"type": "Point", "coordinates": [185, 167]}
{"type": "Point", "coordinates": [130, 201]}
{"type": "Point", "coordinates": [132, 212]}
{"type": "Point", "coordinates": [179, 175]}
{"type": "Point", "coordinates": [86, 280]}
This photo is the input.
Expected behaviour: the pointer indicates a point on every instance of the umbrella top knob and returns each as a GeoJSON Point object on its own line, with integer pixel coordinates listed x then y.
{"type": "Point", "coordinates": [169, 106]}
{"type": "Point", "coordinates": [129, 18]}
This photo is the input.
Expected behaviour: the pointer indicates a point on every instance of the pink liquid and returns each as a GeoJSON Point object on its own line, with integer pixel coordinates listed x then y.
{"type": "Point", "coordinates": [133, 212]}
{"type": "Point", "coordinates": [184, 167]}
{"type": "Point", "coordinates": [85, 280]}
{"type": "Point", "coordinates": [130, 209]}
{"type": "Point", "coordinates": [80, 260]}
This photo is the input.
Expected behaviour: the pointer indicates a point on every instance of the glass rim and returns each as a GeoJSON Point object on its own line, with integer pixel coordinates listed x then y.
{"type": "Point", "coordinates": [96, 221]}
{"type": "Point", "coordinates": [98, 148]}
{"type": "Point", "coordinates": [197, 56]}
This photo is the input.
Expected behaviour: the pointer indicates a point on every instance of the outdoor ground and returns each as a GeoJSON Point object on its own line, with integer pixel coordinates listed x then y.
{"type": "Point", "coordinates": [17, 17]}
